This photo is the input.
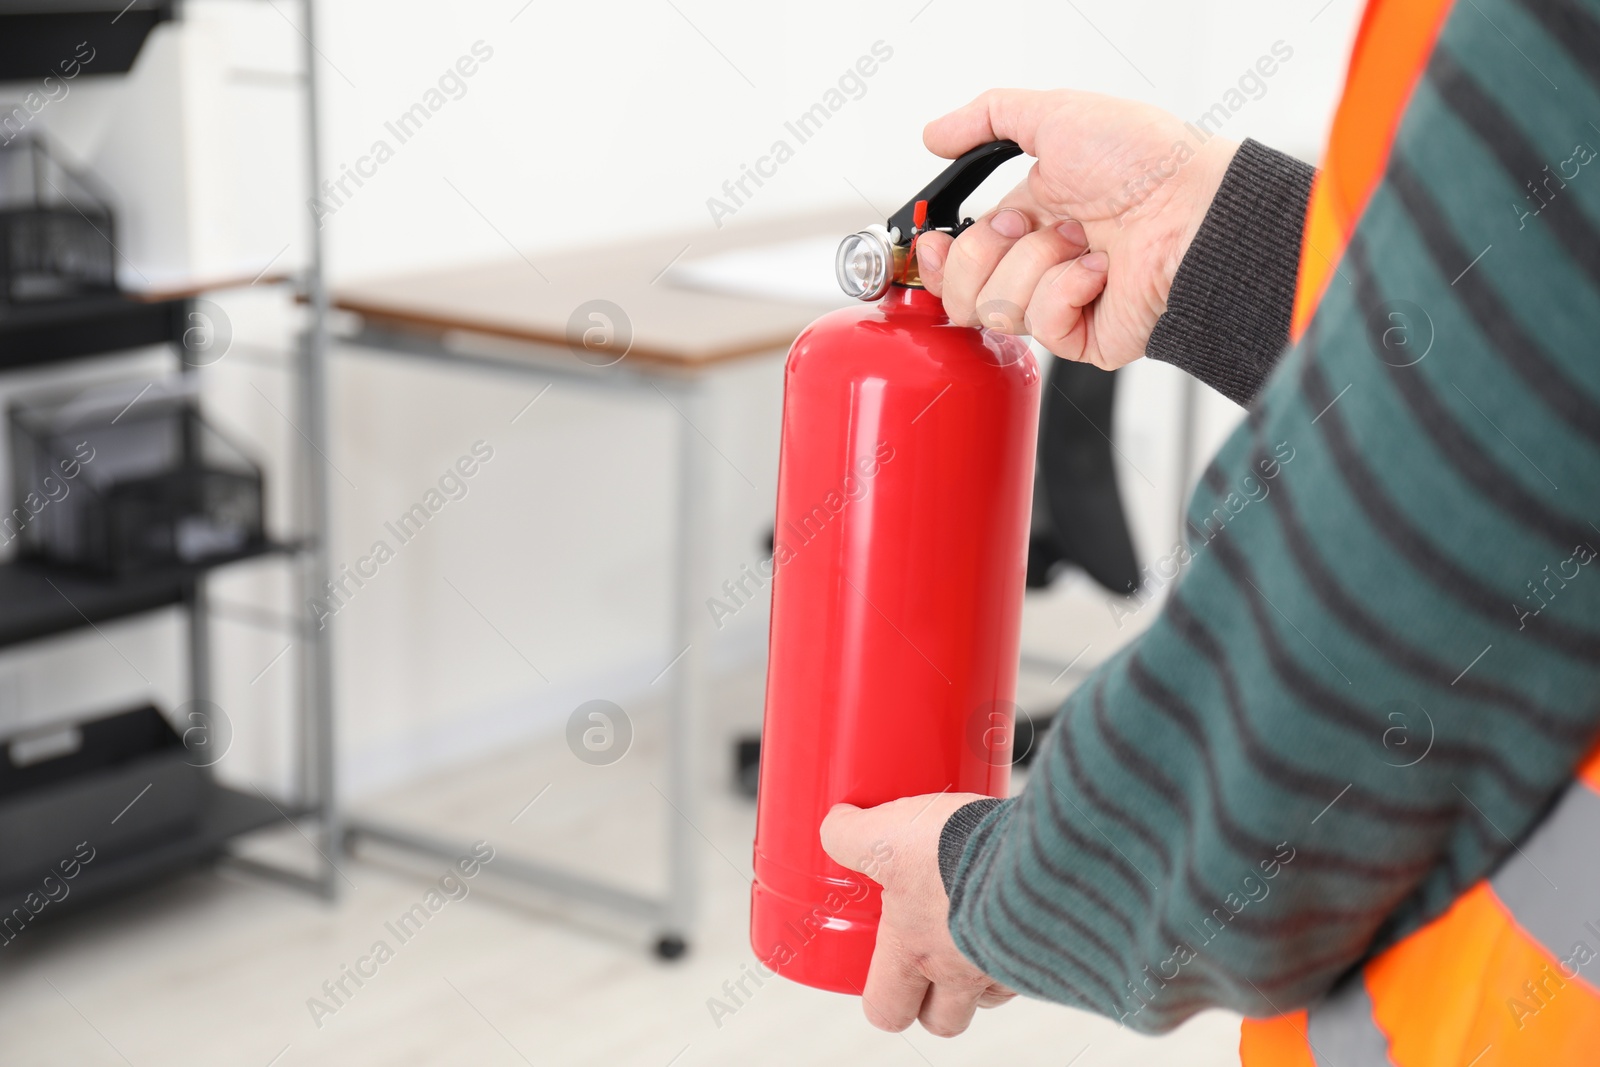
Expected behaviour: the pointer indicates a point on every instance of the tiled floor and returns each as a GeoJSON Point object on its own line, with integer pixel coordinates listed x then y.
{"type": "Point", "coordinates": [217, 968]}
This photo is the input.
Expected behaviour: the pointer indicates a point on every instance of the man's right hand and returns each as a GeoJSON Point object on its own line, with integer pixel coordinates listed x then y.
{"type": "Point", "coordinates": [1082, 253]}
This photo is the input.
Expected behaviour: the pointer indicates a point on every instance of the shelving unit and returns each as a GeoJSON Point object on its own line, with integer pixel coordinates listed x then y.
{"type": "Point", "coordinates": [232, 814]}
{"type": "Point", "coordinates": [39, 601]}
{"type": "Point", "coordinates": [43, 600]}
{"type": "Point", "coordinates": [49, 333]}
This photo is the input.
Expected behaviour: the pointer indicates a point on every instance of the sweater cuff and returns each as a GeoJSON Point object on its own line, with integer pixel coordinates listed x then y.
{"type": "Point", "coordinates": [953, 838]}
{"type": "Point", "coordinates": [1228, 313]}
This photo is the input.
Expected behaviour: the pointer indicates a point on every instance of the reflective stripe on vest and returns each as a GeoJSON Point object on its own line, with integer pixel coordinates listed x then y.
{"type": "Point", "coordinates": [1341, 1033]}
{"type": "Point", "coordinates": [1551, 886]}
{"type": "Point", "coordinates": [1509, 975]}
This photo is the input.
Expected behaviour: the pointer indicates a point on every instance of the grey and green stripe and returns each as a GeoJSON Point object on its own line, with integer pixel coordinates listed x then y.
{"type": "Point", "coordinates": [1382, 663]}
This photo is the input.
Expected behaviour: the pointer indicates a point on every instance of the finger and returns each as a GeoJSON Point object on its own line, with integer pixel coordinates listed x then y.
{"type": "Point", "coordinates": [976, 253]}
{"type": "Point", "coordinates": [998, 114]}
{"type": "Point", "coordinates": [843, 835]}
{"type": "Point", "coordinates": [1055, 313]}
{"type": "Point", "coordinates": [1009, 290]}
{"type": "Point", "coordinates": [948, 1008]}
{"type": "Point", "coordinates": [996, 995]}
{"type": "Point", "coordinates": [932, 248]}
{"type": "Point", "coordinates": [892, 998]}
{"type": "Point", "coordinates": [858, 838]}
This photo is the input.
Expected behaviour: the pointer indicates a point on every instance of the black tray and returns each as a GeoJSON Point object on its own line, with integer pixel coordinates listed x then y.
{"type": "Point", "coordinates": [129, 783]}
{"type": "Point", "coordinates": [36, 36]}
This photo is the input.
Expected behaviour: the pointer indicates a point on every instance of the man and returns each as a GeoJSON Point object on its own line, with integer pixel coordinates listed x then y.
{"type": "Point", "coordinates": [1345, 784]}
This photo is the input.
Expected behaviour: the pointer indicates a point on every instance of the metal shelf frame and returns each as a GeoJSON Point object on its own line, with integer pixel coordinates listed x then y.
{"type": "Point", "coordinates": [319, 757]}
{"type": "Point", "coordinates": [313, 804]}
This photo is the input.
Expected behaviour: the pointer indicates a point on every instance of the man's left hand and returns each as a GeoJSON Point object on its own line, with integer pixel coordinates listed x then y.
{"type": "Point", "coordinates": [917, 972]}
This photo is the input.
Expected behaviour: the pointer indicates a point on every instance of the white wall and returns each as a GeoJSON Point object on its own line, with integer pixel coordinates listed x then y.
{"type": "Point", "coordinates": [594, 121]}
{"type": "Point", "coordinates": [587, 123]}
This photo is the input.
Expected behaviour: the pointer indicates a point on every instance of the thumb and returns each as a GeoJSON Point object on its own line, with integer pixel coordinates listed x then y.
{"type": "Point", "coordinates": [998, 114]}
{"type": "Point", "coordinates": [933, 248]}
{"type": "Point", "coordinates": [846, 836]}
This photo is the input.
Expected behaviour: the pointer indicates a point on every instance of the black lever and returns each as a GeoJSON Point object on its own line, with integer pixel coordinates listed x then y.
{"type": "Point", "coordinates": [949, 190]}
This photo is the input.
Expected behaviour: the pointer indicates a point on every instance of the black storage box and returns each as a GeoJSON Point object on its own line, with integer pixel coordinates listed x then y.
{"type": "Point", "coordinates": [119, 783]}
{"type": "Point", "coordinates": [64, 38]}
{"type": "Point", "coordinates": [130, 477]}
{"type": "Point", "coordinates": [56, 231]}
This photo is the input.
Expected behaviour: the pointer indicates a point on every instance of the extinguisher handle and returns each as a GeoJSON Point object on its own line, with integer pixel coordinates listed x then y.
{"type": "Point", "coordinates": [946, 193]}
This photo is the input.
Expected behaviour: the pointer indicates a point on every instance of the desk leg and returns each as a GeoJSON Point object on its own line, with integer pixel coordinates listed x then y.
{"type": "Point", "coordinates": [317, 730]}
{"type": "Point", "coordinates": [690, 571]}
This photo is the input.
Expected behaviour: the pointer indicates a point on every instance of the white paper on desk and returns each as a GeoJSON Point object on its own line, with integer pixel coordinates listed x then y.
{"type": "Point", "coordinates": [798, 272]}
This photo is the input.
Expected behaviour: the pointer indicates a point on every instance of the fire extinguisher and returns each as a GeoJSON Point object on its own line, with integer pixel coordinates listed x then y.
{"type": "Point", "coordinates": [904, 488]}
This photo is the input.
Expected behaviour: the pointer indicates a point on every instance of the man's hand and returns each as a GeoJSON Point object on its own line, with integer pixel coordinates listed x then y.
{"type": "Point", "coordinates": [917, 972]}
{"type": "Point", "coordinates": [1081, 254]}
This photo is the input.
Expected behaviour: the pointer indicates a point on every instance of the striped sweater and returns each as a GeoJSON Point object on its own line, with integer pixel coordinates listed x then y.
{"type": "Point", "coordinates": [1381, 660]}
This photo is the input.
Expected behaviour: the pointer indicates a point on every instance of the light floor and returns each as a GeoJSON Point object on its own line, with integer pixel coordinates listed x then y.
{"type": "Point", "coordinates": [216, 968]}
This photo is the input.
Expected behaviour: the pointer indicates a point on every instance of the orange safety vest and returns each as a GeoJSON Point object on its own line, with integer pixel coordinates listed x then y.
{"type": "Point", "coordinates": [1392, 46]}
{"type": "Point", "coordinates": [1510, 974]}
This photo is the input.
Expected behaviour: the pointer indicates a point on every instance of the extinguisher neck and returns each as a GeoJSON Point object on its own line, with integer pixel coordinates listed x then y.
{"type": "Point", "coordinates": [911, 298]}
{"type": "Point", "coordinates": [905, 267]}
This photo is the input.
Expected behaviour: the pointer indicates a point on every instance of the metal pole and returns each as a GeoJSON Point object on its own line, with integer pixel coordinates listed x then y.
{"type": "Point", "coordinates": [318, 718]}
{"type": "Point", "coordinates": [199, 613]}
{"type": "Point", "coordinates": [196, 600]}
{"type": "Point", "coordinates": [689, 632]}
{"type": "Point", "coordinates": [544, 876]}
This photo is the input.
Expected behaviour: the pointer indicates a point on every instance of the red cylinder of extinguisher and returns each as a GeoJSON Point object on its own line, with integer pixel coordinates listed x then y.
{"type": "Point", "coordinates": [904, 492]}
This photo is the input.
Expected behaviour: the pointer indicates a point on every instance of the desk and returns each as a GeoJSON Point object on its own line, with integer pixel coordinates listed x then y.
{"type": "Point", "coordinates": [516, 316]}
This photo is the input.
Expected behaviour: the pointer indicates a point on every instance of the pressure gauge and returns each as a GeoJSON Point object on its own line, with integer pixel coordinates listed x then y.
{"type": "Point", "coordinates": [864, 264]}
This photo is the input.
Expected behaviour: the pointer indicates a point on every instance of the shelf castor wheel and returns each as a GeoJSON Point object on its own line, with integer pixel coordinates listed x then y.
{"type": "Point", "coordinates": [670, 947]}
